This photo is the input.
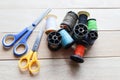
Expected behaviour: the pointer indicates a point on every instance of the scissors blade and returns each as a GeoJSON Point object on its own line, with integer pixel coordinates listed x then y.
{"type": "Point", "coordinates": [38, 40]}
{"type": "Point", "coordinates": [36, 22]}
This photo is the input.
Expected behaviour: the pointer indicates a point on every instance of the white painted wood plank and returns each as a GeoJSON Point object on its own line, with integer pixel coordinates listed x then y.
{"type": "Point", "coordinates": [13, 20]}
{"type": "Point", "coordinates": [64, 69]}
{"type": "Point", "coordinates": [105, 46]}
{"type": "Point", "coordinates": [22, 4]}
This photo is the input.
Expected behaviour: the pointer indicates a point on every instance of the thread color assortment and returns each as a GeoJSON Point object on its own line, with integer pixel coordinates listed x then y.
{"type": "Point", "coordinates": [75, 29]}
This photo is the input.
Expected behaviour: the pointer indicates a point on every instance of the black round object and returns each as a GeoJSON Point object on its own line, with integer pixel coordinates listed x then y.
{"type": "Point", "coordinates": [77, 58]}
{"type": "Point", "coordinates": [54, 41]}
{"type": "Point", "coordinates": [92, 36]}
{"type": "Point", "coordinates": [79, 32]}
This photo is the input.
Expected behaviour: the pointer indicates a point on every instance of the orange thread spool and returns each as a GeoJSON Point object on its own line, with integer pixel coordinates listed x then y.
{"type": "Point", "coordinates": [80, 49]}
{"type": "Point", "coordinates": [78, 54]}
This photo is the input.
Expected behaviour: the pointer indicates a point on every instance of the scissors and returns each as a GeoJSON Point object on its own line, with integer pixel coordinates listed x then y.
{"type": "Point", "coordinates": [31, 58]}
{"type": "Point", "coordinates": [24, 34]}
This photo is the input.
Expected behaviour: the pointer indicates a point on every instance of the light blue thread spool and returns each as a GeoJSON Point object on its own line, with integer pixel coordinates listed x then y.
{"type": "Point", "coordinates": [67, 40]}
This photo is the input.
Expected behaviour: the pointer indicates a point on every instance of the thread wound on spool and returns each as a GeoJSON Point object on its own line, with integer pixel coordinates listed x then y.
{"type": "Point", "coordinates": [80, 49]}
{"type": "Point", "coordinates": [80, 30]}
{"type": "Point", "coordinates": [92, 31]}
{"type": "Point", "coordinates": [92, 25]}
{"type": "Point", "coordinates": [69, 21]}
{"type": "Point", "coordinates": [54, 40]}
{"type": "Point", "coordinates": [51, 23]}
{"type": "Point", "coordinates": [82, 17]}
{"type": "Point", "coordinates": [78, 54]}
{"type": "Point", "coordinates": [67, 40]}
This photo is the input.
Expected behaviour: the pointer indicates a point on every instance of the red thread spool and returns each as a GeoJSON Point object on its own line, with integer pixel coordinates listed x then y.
{"type": "Point", "coordinates": [78, 54]}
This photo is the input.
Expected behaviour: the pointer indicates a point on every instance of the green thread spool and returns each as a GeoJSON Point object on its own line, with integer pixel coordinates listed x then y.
{"type": "Point", "coordinates": [92, 31]}
{"type": "Point", "coordinates": [92, 25]}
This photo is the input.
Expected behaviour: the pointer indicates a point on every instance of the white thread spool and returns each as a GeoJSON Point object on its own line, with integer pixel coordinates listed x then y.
{"type": "Point", "coordinates": [51, 23]}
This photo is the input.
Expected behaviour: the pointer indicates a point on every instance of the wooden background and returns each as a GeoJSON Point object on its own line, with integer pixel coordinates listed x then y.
{"type": "Point", "coordinates": [102, 61]}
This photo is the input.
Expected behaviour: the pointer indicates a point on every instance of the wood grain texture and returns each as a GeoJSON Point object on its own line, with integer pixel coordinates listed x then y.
{"type": "Point", "coordinates": [7, 4]}
{"type": "Point", "coordinates": [13, 20]}
{"type": "Point", "coordinates": [106, 45]}
{"type": "Point", "coordinates": [64, 69]}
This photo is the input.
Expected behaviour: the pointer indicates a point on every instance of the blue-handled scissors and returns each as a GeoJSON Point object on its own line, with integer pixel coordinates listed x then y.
{"type": "Point", "coordinates": [25, 33]}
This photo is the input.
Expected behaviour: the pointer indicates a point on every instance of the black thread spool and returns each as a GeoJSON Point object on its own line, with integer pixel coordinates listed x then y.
{"type": "Point", "coordinates": [54, 41]}
{"type": "Point", "coordinates": [83, 16]}
{"type": "Point", "coordinates": [80, 30]}
{"type": "Point", "coordinates": [69, 21]}
{"type": "Point", "coordinates": [92, 36]}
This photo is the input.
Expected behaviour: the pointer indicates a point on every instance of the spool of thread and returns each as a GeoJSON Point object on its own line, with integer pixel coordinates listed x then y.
{"type": "Point", "coordinates": [54, 40]}
{"type": "Point", "coordinates": [83, 16]}
{"type": "Point", "coordinates": [67, 40]}
{"type": "Point", "coordinates": [51, 23]}
{"type": "Point", "coordinates": [93, 32]}
{"type": "Point", "coordinates": [92, 25]}
{"type": "Point", "coordinates": [79, 32]}
{"type": "Point", "coordinates": [92, 36]}
{"type": "Point", "coordinates": [78, 54]}
{"type": "Point", "coordinates": [69, 21]}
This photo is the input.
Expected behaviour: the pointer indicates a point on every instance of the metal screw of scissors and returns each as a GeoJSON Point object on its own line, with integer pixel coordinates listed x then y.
{"type": "Point", "coordinates": [30, 59]}
{"type": "Point", "coordinates": [25, 33]}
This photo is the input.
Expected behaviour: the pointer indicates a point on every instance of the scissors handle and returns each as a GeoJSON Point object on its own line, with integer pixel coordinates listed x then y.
{"type": "Point", "coordinates": [25, 59]}
{"type": "Point", "coordinates": [29, 63]}
{"type": "Point", "coordinates": [13, 37]}
{"type": "Point", "coordinates": [34, 63]}
{"type": "Point", "coordinates": [22, 43]}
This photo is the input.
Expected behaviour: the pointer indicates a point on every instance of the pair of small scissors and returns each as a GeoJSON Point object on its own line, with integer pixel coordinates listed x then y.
{"type": "Point", "coordinates": [31, 58]}
{"type": "Point", "coordinates": [24, 34]}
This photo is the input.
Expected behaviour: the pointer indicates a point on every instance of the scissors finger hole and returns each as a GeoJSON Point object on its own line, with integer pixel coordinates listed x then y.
{"type": "Point", "coordinates": [9, 39]}
{"type": "Point", "coordinates": [35, 66]}
{"type": "Point", "coordinates": [24, 62]}
{"type": "Point", "coordinates": [20, 48]}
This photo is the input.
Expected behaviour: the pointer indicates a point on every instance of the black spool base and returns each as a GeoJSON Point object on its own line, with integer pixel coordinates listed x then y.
{"type": "Point", "coordinates": [66, 27]}
{"type": "Point", "coordinates": [54, 41]}
{"type": "Point", "coordinates": [77, 58]}
{"type": "Point", "coordinates": [91, 19]}
{"type": "Point", "coordinates": [69, 45]}
{"type": "Point", "coordinates": [60, 29]}
{"type": "Point", "coordinates": [55, 48]}
{"type": "Point", "coordinates": [83, 42]}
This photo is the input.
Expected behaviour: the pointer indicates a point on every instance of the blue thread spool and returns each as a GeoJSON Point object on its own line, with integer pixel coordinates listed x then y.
{"type": "Point", "coordinates": [67, 40]}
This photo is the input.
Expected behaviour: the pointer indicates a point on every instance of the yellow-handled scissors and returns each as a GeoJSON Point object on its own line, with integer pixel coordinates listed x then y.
{"type": "Point", "coordinates": [31, 58]}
